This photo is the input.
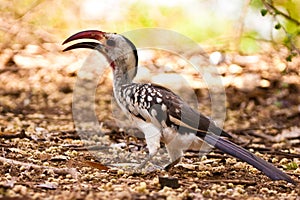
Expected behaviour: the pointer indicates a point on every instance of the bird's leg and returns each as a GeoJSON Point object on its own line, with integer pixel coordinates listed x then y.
{"type": "Point", "coordinates": [174, 148]}
{"type": "Point", "coordinates": [143, 164]}
{"type": "Point", "coordinates": [152, 137]}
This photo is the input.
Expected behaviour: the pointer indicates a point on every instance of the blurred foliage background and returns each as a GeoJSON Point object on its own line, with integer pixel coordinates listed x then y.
{"type": "Point", "coordinates": [235, 25]}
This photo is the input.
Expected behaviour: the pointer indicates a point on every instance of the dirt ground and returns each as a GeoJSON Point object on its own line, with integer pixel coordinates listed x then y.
{"type": "Point", "coordinates": [43, 157]}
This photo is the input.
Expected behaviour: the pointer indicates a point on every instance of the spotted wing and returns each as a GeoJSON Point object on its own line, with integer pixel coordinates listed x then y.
{"type": "Point", "coordinates": [148, 101]}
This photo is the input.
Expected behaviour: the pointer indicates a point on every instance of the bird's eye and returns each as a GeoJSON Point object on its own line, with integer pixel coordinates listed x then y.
{"type": "Point", "coordinates": [111, 43]}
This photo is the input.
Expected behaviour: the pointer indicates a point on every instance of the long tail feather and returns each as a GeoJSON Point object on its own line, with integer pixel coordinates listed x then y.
{"type": "Point", "coordinates": [234, 150]}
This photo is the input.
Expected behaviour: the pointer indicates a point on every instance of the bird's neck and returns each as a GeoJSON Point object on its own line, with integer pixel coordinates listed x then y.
{"type": "Point", "coordinates": [123, 75]}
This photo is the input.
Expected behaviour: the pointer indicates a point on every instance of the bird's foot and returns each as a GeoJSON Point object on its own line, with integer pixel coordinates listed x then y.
{"type": "Point", "coordinates": [172, 164]}
{"type": "Point", "coordinates": [152, 167]}
{"type": "Point", "coordinates": [142, 165]}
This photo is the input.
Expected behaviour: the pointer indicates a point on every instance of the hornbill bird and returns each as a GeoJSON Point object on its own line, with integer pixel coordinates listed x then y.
{"type": "Point", "coordinates": [158, 112]}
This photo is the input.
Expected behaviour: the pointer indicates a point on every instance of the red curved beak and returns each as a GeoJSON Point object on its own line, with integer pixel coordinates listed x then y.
{"type": "Point", "coordinates": [88, 34]}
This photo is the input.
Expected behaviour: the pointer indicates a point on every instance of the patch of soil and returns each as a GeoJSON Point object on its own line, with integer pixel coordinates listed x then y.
{"type": "Point", "coordinates": [43, 156]}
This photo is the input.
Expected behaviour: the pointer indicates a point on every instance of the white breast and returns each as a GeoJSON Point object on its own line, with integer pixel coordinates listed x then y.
{"type": "Point", "coordinates": [152, 134]}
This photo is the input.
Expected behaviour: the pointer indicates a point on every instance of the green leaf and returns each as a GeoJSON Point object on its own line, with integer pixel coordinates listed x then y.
{"type": "Point", "coordinates": [289, 58]}
{"type": "Point", "coordinates": [277, 26]}
{"type": "Point", "coordinates": [263, 12]}
{"type": "Point", "coordinates": [292, 165]}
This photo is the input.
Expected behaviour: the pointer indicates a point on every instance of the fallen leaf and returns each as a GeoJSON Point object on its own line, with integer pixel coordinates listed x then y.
{"type": "Point", "coordinates": [95, 165]}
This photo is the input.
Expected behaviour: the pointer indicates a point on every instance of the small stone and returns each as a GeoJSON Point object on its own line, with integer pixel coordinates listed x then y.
{"type": "Point", "coordinates": [123, 195]}
{"type": "Point", "coordinates": [274, 160]}
{"type": "Point", "coordinates": [231, 185]}
{"type": "Point", "coordinates": [284, 161]}
{"type": "Point", "coordinates": [203, 158]}
{"type": "Point", "coordinates": [264, 83]}
{"type": "Point", "coordinates": [142, 188]}
{"type": "Point", "coordinates": [240, 165]}
{"type": "Point", "coordinates": [240, 190]}
{"type": "Point", "coordinates": [155, 181]}
{"type": "Point", "coordinates": [218, 169]}
{"type": "Point", "coordinates": [69, 176]}
{"type": "Point", "coordinates": [20, 189]}
{"type": "Point", "coordinates": [235, 69]}
{"type": "Point", "coordinates": [228, 192]}
{"type": "Point", "coordinates": [216, 57]}
{"type": "Point", "coordinates": [120, 172]}
{"type": "Point", "coordinates": [60, 158]}
{"type": "Point", "coordinates": [169, 182]}
{"type": "Point", "coordinates": [230, 161]}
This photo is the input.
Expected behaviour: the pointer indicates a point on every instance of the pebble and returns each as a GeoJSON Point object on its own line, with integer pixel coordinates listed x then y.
{"type": "Point", "coordinates": [235, 69]}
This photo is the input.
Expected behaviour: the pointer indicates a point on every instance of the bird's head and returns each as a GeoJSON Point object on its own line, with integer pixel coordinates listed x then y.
{"type": "Point", "coordinates": [119, 51]}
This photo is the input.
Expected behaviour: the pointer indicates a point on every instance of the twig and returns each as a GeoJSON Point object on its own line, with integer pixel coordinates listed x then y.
{"type": "Point", "coordinates": [32, 7]}
{"type": "Point", "coordinates": [282, 154]}
{"type": "Point", "coordinates": [269, 6]}
{"type": "Point", "coordinates": [274, 11]}
{"type": "Point", "coordinates": [22, 134]}
{"type": "Point", "coordinates": [56, 170]}
{"type": "Point", "coordinates": [241, 23]}
{"type": "Point", "coordinates": [234, 181]}
{"type": "Point", "coordinates": [21, 18]}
